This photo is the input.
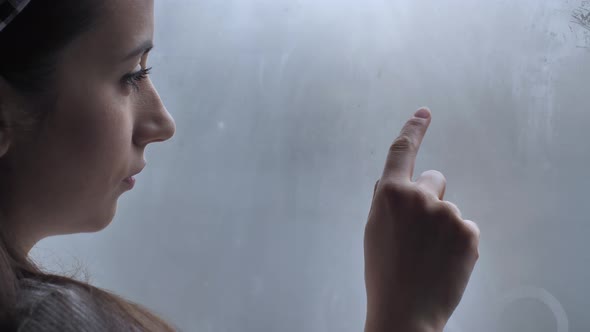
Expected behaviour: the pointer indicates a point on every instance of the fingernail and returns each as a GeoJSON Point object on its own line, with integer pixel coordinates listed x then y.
{"type": "Point", "coordinates": [423, 113]}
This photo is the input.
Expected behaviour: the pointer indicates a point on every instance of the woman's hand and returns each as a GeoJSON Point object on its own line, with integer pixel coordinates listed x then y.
{"type": "Point", "coordinates": [419, 252]}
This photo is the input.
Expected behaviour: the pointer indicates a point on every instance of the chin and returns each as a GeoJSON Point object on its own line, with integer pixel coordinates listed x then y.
{"type": "Point", "coordinates": [100, 221]}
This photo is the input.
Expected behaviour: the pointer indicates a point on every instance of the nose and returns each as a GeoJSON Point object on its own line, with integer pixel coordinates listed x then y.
{"type": "Point", "coordinates": [154, 123]}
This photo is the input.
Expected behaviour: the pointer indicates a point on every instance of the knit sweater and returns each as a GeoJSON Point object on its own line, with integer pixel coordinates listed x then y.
{"type": "Point", "coordinates": [45, 307]}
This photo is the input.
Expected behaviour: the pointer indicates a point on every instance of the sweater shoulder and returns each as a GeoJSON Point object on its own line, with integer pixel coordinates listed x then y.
{"type": "Point", "coordinates": [52, 308]}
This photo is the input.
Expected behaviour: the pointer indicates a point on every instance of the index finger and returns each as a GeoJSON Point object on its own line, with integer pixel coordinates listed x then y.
{"type": "Point", "coordinates": [402, 153]}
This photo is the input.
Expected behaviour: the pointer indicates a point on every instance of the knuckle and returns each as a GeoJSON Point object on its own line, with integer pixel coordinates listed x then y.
{"type": "Point", "coordinates": [473, 248]}
{"type": "Point", "coordinates": [442, 212]}
{"type": "Point", "coordinates": [402, 143]}
{"type": "Point", "coordinates": [393, 189]}
{"type": "Point", "coordinates": [420, 198]}
{"type": "Point", "coordinates": [470, 236]}
{"type": "Point", "coordinates": [414, 123]}
{"type": "Point", "coordinates": [436, 174]}
{"type": "Point", "coordinates": [404, 193]}
{"type": "Point", "coordinates": [473, 227]}
{"type": "Point", "coordinates": [453, 207]}
{"type": "Point", "coordinates": [473, 243]}
{"type": "Point", "coordinates": [464, 233]}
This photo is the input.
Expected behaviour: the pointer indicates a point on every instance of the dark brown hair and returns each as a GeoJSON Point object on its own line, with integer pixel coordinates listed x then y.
{"type": "Point", "coordinates": [30, 47]}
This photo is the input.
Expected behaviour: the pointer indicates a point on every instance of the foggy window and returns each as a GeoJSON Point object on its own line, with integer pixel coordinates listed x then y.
{"type": "Point", "coordinates": [251, 218]}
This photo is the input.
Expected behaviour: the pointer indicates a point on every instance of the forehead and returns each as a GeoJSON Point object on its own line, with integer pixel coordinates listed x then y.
{"type": "Point", "coordinates": [121, 26]}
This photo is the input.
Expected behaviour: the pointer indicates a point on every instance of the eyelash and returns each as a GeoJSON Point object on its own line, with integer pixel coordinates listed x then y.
{"type": "Point", "coordinates": [134, 79]}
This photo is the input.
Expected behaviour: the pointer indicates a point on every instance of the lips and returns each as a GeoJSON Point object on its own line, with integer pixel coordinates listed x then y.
{"type": "Point", "coordinates": [134, 174]}
{"type": "Point", "coordinates": [131, 179]}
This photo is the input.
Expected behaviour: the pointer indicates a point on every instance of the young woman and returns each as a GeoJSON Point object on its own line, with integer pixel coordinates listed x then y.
{"type": "Point", "coordinates": [77, 110]}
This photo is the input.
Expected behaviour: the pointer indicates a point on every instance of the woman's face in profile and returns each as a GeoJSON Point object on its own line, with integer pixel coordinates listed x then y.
{"type": "Point", "coordinates": [68, 179]}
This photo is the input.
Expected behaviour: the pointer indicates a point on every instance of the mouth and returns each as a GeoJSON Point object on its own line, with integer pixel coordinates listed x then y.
{"type": "Point", "coordinates": [130, 180]}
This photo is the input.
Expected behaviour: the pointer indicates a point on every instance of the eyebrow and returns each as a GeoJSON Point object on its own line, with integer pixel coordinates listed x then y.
{"type": "Point", "coordinates": [145, 47]}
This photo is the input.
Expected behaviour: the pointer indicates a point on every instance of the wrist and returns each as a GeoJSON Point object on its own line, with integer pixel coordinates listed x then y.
{"type": "Point", "coordinates": [389, 324]}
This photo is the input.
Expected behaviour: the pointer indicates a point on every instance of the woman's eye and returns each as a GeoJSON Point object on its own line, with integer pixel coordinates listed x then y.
{"type": "Point", "coordinates": [136, 77]}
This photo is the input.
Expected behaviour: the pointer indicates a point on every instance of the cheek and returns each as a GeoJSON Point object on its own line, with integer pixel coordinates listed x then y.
{"type": "Point", "coordinates": [75, 168]}
{"type": "Point", "coordinates": [90, 135]}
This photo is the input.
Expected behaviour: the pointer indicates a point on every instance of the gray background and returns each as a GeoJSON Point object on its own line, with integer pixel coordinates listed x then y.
{"type": "Point", "coordinates": [252, 217]}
